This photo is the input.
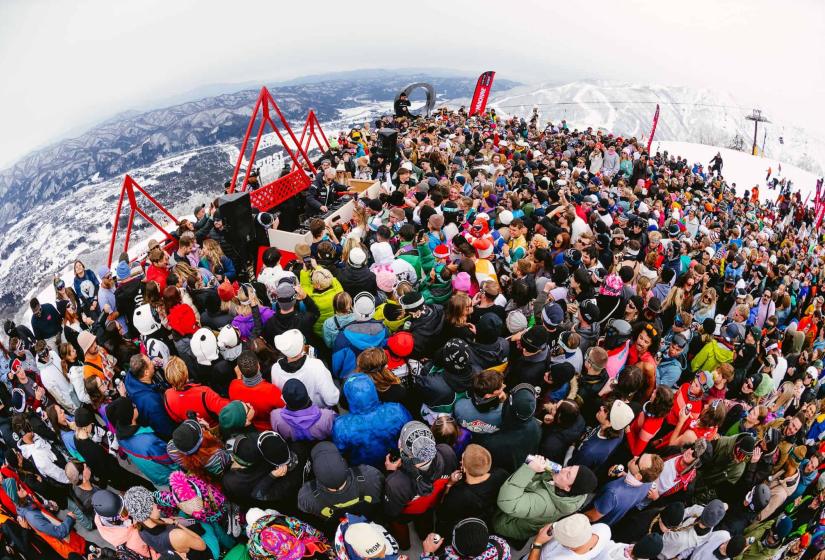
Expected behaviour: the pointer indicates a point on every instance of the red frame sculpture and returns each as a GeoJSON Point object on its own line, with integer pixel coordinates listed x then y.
{"type": "Point", "coordinates": [127, 191]}
{"type": "Point", "coordinates": [267, 196]}
{"type": "Point", "coordinates": [315, 133]}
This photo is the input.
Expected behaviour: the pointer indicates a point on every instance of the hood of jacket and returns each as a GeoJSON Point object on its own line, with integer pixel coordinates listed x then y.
{"type": "Point", "coordinates": [430, 322]}
{"type": "Point", "coordinates": [489, 354]}
{"type": "Point", "coordinates": [361, 394]}
{"type": "Point", "coordinates": [366, 334]}
{"type": "Point", "coordinates": [304, 418]}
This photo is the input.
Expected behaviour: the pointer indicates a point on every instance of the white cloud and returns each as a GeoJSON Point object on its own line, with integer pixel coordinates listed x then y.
{"type": "Point", "coordinates": [65, 65]}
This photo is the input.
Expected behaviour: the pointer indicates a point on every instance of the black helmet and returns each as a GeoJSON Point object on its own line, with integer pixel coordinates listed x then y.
{"type": "Point", "coordinates": [618, 332]}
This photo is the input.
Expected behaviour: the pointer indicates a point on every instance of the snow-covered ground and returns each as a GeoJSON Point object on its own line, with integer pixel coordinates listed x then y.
{"type": "Point", "coordinates": [742, 168]}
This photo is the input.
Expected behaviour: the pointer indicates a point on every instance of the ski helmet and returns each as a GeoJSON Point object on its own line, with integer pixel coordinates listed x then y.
{"type": "Point", "coordinates": [144, 320]}
{"type": "Point", "coordinates": [618, 332]}
{"type": "Point", "coordinates": [204, 346]}
{"type": "Point", "coordinates": [229, 343]}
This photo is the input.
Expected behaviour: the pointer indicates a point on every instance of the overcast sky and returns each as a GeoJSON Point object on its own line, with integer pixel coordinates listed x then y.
{"type": "Point", "coordinates": [66, 65]}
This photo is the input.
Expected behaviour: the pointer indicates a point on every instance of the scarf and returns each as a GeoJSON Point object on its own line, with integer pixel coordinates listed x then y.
{"type": "Point", "coordinates": [252, 381]}
{"type": "Point", "coordinates": [423, 479]}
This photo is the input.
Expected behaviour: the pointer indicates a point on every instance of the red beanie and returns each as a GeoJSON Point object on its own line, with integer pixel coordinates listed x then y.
{"type": "Point", "coordinates": [182, 320]}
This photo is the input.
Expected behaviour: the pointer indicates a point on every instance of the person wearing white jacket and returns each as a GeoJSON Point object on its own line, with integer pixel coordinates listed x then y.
{"type": "Point", "coordinates": [694, 531]}
{"type": "Point", "coordinates": [720, 545]}
{"type": "Point", "coordinates": [77, 380]}
{"type": "Point", "coordinates": [647, 548]}
{"type": "Point", "coordinates": [55, 382]}
{"type": "Point", "coordinates": [38, 450]}
{"type": "Point", "coordinates": [298, 364]}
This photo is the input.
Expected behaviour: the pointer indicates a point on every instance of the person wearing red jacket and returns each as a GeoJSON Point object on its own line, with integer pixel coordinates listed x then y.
{"type": "Point", "coordinates": [252, 389]}
{"type": "Point", "coordinates": [184, 397]}
{"type": "Point", "coordinates": [158, 270]}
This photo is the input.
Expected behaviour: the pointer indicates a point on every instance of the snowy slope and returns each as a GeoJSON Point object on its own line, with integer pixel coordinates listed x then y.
{"type": "Point", "coordinates": [741, 168]}
{"type": "Point", "coordinates": [688, 115]}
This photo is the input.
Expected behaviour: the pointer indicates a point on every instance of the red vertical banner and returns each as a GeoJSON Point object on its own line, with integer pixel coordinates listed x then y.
{"type": "Point", "coordinates": [482, 93]}
{"type": "Point", "coordinates": [653, 128]}
{"type": "Point", "coordinates": [819, 215]}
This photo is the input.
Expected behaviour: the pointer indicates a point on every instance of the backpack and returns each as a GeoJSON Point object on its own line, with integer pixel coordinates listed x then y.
{"type": "Point", "coordinates": [335, 510]}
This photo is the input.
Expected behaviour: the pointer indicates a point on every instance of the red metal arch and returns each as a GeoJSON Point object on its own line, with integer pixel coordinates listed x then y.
{"type": "Point", "coordinates": [312, 131]}
{"type": "Point", "coordinates": [272, 194]}
{"type": "Point", "coordinates": [127, 192]}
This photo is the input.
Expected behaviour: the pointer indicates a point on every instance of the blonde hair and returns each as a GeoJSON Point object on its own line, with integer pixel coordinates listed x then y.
{"type": "Point", "coordinates": [212, 252]}
{"type": "Point", "coordinates": [246, 300]}
{"type": "Point", "coordinates": [177, 374]}
{"type": "Point", "coordinates": [351, 243]}
{"type": "Point", "coordinates": [643, 283]}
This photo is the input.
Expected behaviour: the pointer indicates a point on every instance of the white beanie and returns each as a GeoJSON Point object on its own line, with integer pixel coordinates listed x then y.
{"type": "Point", "coordinates": [290, 343]}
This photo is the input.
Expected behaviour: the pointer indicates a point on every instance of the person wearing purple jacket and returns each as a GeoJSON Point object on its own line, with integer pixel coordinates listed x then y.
{"type": "Point", "coordinates": [301, 420]}
{"type": "Point", "coordinates": [252, 316]}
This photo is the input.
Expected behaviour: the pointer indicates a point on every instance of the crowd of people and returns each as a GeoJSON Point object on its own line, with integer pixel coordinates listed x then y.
{"type": "Point", "coordinates": [538, 342]}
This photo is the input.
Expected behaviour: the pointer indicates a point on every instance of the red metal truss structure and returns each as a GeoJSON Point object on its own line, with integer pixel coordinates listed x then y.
{"type": "Point", "coordinates": [267, 196]}
{"type": "Point", "coordinates": [127, 192]}
{"type": "Point", "coordinates": [312, 131]}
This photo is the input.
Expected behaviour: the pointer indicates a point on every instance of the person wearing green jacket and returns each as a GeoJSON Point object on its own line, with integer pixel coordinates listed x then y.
{"type": "Point", "coordinates": [414, 249]}
{"type": "Point", "coordinates": [321, 286]}
{"type": "Point", "coordinates": [768, 537]}
{"type": "Point", "coordinates": [533, 496]}
{"type": "Point", "coordinates": [730, 457]}
{"type": "Point", "coordinates": [437, 287]}
{"type": "Point", "coordinates": [717, 351]}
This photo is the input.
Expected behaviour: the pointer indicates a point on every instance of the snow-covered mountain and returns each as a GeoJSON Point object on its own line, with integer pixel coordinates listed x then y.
{"type": "Point", "coordinates": [57, 204]}
{"type": "Point", "coordinates": [686, 114]}
{"type": "Point", "coordinates": [139, 139]}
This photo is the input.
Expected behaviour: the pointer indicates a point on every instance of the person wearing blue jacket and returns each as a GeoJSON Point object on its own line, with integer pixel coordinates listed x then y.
{"type": "Point", "coordinates": [146, 450]}
{"type": "Point", "coordinates": [81, 275]}
{"type": "Point", "coordinates": [364, 332]}
{"type": "Point", "coordinates": [370, 430]}
{"type": "Point", "coordinates": [147, 395]}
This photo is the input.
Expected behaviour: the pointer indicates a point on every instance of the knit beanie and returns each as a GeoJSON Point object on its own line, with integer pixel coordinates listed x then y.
{"type": "Point", "coordinates": [585, 483]}
{"type": "Point", "coordinates": [274, 448]}
{"type": "Point", "coordinates": [295, 395]}
{"type": "Point", "coordinates": [470, 537]}
{"type": "Point", "coordinates": [84, 417]}
{"type": "Point", "coordinates": [649, 547]}
{"type": "Point", "coordinates": [673, 515]}
{"type": "Point", "coordinates": [188, 437]}
{"type": "Point", "coordinates": [417, 442]}
{"type": "Point", "coordinates": [138, 502]}
{"type": "Point", "coordinates": [232, 416]}
{"type": "Point", "coordinates": [245, 451]}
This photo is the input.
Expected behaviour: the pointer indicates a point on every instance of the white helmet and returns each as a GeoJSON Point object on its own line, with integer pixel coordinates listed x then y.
{"type": "Point", "coordinates": [144, 320]}
{"type": "Point", "coordinates": [204, 346]}
{"type": "Point", "coordinates": [229, 343]}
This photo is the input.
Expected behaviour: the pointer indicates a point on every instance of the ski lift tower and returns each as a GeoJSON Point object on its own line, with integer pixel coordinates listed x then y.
{"type": "Point", "coordinates": [757, 117]}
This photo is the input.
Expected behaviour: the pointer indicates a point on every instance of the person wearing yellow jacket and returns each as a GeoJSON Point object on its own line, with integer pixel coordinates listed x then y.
{"type": "Point", "coordinates": [717, 351]}
{"type": "Point", "coordinates": [320, 285]}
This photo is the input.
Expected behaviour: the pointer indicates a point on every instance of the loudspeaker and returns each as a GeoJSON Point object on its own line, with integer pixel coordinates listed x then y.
{"type": "Point", "coordinates": [236, 210]}
{"type": "Point", "coordinates": [387, 143]}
